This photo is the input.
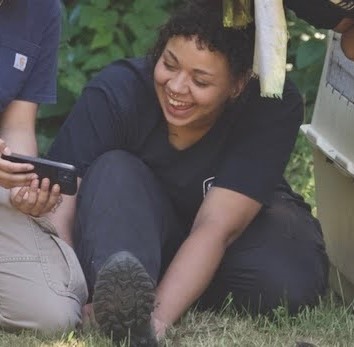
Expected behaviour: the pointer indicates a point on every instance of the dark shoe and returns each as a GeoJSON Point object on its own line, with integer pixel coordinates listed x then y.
{"type": "Point", "coordinates": [123, 300]}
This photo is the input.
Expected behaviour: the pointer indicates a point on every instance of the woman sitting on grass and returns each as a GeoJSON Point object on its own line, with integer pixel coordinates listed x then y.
{"type": "Point", "coordinates": [182, 198]}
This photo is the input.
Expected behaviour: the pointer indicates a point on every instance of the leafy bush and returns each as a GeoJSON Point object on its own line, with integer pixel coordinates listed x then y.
{"type": "Point", "coordinates": [306, 52]}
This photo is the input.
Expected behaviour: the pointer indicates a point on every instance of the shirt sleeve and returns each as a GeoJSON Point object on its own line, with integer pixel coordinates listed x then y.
{"type": "Point", "coordinates": [40, 87]}
{"type": "Point", "coordinates": [320, 13]}
{"type": "Point", "coordinates": [261, 146]}
{"type": "Point", "coordinates": [91, 129]}
{"type": "Point", "coordinates": [109, 115]}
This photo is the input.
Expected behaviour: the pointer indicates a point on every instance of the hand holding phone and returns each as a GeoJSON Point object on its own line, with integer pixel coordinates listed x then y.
{"type": "Point", "coordinates": [64, 175]}
{"type": "Point", "coordinates": [35, 202]}
{"type": "Point", "coordinates": [12, 174]}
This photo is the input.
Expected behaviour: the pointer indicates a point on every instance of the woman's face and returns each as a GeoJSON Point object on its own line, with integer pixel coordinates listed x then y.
{"type": "Point", "coordinates": [192, 84]}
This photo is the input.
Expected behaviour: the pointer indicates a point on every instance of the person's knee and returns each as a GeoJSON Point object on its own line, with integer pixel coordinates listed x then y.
{"type": "Point", "coordinates": [116, 167]}
{"type": "Point", "coordinates": [116, 170]}
{"type": "Point", "coordinates": [113, 158]}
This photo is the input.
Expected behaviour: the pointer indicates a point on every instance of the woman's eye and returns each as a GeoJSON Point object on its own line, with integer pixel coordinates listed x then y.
{"type": "Point", "coordinates": [168, 66]}
{"type": "Point", "coordinates": [201, 84]}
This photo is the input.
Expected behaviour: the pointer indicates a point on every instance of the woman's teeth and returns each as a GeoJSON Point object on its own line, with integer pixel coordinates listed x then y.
{"type": "Point", "coordinates": [177, 103]}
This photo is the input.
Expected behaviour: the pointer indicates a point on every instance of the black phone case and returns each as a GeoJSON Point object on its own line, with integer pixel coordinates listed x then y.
{"type": "Point", "coordinates": [63, 174]}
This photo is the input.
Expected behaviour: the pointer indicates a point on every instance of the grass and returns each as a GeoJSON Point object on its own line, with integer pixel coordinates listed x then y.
{"type": "Point", "coordinates": [327, 325]}
{"type": "Point", "coordinates": [331, 324]}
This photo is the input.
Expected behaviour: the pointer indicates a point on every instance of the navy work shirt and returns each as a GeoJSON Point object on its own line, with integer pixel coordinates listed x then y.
{"type": "Point", "coordinates": [29, 39]}
{"type": "Point", "coordinates": [245, 151]}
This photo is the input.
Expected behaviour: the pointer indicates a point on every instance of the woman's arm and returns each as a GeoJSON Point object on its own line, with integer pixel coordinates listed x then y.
{"type": "Point", "coordinates": [346, 28]}
{"type": "Point", "coordinates": [17, 134]}
{"type": "Point", "coordinates": [221, 219]}
{"type": "Point", "coordinates": [18, 127]}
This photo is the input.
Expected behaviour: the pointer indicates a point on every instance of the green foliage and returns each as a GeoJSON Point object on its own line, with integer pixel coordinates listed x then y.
{"type": "Point", "coordinates": [299, 171]}
{"type": "Point", "coordinates": [97, 32]}
{"type": "Point", "coordinates": [306, 52]}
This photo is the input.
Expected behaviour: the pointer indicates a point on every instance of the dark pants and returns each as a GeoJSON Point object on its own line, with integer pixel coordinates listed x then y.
{"type": "Point", "coordinates": [279, 259]}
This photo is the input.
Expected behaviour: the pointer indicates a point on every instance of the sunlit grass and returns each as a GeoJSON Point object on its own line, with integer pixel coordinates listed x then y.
{"type": "Point", "coordinates": [331, 324]}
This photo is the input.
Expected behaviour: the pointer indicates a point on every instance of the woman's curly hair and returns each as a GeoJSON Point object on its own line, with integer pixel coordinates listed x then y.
{"type": "Point", "coordinates": [204, 20]}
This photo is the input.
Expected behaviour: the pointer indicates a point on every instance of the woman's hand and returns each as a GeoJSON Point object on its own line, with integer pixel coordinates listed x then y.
{"type": "Point", "coordinates": [159, 327]}
{"type": "Point", "coordinates": [88, 316]}
{"type": "Point", "coordinates": [36, 201]}
{"type": "Point", "coordinates": [14, 174]}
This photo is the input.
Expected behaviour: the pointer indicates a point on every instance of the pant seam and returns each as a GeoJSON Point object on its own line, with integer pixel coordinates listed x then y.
{"type": "Point", "coordinates": [20, 259]}
{"type": "Point", "coordinates": [45, 268]}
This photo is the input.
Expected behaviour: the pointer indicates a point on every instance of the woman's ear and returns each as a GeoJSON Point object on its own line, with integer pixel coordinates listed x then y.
{"type": "Point", "coordinates": [240, 84]}
{"type": "Point", "coordinates": [235, 93]}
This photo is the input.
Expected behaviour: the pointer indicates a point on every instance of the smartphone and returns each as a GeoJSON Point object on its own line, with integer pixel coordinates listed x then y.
{"type": "Point", "coordinates": [58, 173]}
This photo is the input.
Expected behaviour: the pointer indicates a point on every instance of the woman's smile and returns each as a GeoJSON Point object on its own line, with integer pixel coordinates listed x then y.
{"type": "Point", "coordinates": [177, 108]}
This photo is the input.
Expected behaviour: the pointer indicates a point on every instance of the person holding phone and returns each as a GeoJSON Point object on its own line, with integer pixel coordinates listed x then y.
{"type": "Point", "coordinates": [27, 78]}
{"type": "Point", "coordinates": [182, 197]}
{"type": "Point", "coordinates": [41, 283]}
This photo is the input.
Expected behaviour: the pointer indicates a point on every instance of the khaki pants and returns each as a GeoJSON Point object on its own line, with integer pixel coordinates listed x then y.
{"type": "Point", "coordinates": [42, 286]}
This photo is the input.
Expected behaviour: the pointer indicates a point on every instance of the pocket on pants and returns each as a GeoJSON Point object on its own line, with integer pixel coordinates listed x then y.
{"type": "Point", "coordinates": [60, 265]}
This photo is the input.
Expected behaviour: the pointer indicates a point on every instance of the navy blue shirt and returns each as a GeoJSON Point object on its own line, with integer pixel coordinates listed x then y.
{"type": "Point", "coordinates": [246, 150]}
{"type": "Point", "coordinates": [29, 39]}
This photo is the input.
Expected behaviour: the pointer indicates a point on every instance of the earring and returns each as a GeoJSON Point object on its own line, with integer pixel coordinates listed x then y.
{"type": "Point", "coordinates": [234, 94]}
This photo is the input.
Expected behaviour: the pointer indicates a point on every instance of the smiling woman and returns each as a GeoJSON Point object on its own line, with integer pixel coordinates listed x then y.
{"type": "Point", "coordinates": [192, 86]}
{"type": "Point", "coordinates": [182, 198]}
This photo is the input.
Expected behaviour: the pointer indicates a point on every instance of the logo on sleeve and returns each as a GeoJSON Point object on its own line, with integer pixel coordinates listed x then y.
{"type": "Point", "coordinates": [20, 62]}
{"type": "Point", "coordinates": [347, 5]}
{"type": "Point", "coordinates": [207, 184]}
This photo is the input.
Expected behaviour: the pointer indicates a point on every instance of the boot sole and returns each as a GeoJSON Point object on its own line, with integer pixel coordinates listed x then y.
{"type": "Point", "coordinates": [124, 299]}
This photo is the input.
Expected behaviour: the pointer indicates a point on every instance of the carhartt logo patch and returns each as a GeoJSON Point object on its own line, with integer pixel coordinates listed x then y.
{"type": "Point", "coordinates": [20, 62]}
{"type": "Point", "coordinates": [347, 5]}
{"type": "Point", "coordinates": [207, 184]}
